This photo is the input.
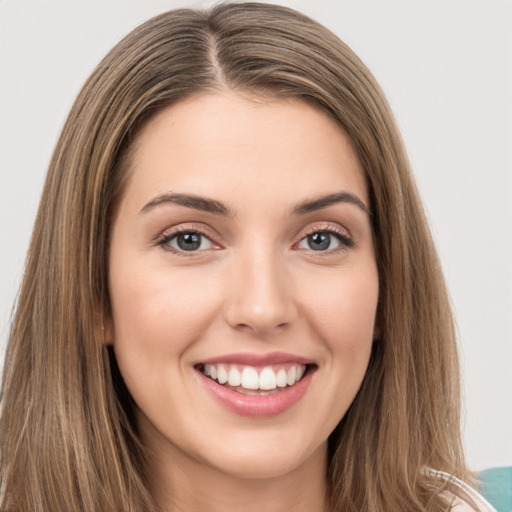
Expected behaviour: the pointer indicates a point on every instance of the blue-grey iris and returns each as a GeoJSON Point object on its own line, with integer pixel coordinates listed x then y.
{"type": "Point", "coordinates": [319, 241]}
{"type": "Point", "coordinates": [188, 241]}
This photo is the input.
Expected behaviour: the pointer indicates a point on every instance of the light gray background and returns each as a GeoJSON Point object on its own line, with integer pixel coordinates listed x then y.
{"type": "Point", "coordinates": [446, 67]}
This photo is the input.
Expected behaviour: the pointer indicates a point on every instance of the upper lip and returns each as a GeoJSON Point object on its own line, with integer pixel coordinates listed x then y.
{"type": "Point", "coordinates": [254, 359]}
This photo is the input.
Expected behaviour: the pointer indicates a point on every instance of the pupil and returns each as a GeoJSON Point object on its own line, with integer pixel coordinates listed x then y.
{"type": "Point", "coordinates": [319, 241]}
{"type": "Point", "coordinates": [189, 241]}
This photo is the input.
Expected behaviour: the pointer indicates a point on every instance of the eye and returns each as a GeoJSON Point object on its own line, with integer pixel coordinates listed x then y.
{"type": "Point", "coordinates": [324, 241]}
{"type": "Point", "coordinates": [187, 241]}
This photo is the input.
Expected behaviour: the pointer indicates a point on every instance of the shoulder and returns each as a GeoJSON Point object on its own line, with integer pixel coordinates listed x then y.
{"type": "Point", "coordinates": [461, 505]}
{"type": "Point", "coordinates": [464, 498]}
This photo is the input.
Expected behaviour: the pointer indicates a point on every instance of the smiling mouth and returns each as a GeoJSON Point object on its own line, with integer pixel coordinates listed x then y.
{"type": "Point", "coordinates": [253, 380]}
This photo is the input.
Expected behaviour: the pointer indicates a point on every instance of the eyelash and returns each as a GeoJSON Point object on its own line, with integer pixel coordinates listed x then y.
{"type": "Point", "coordinates": [163, 240]}
{"type": "Point", "coordinates": [346, 242]}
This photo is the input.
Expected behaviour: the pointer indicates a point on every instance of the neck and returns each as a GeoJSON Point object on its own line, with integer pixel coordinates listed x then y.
{"type": "Point", "coordinates": [187, 485]}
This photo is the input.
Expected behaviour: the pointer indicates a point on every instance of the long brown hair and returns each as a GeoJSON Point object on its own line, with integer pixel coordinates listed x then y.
{"type": "Point", "coordinates": [67, 437]}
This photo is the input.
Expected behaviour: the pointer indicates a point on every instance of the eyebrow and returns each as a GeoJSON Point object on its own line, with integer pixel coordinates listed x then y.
{"type": "Point", "coordinates": [212, 206]}
{"type": "Point", "coordinates": [190, 201]}
{"type": "Point", "coordinates": [325, 201]}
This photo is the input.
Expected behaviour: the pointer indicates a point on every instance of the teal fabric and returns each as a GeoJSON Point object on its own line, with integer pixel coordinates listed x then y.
{"type": "Point", "coordinates": [495, 485]}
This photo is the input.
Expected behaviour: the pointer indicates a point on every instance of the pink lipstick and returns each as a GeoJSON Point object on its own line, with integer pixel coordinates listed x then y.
{"type": "Point", "coordinates": [258, 385]}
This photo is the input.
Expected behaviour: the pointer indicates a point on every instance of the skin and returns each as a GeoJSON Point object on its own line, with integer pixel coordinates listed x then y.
{"type": "Point", "coordinates": [255, 286]}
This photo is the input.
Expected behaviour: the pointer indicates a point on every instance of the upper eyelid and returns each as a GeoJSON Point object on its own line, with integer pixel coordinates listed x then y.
{"type": "Point", "coordinates": [331, 227]}
{"type": "Point", "coordinates": [335, 229]}
{"type": "Point", "coordinates": [208, 232]}
{"type": "Point", "coordinates": [186, 228]}
{"type": "Point", "coordinates": [327, 229]}
{"type": "Point", "coordinates": [164, 239]}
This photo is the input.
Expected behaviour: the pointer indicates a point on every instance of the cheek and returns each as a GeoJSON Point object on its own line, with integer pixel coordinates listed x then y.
{"type": "Point", "coordinates": [158, 314]}
{"type": "Point", "coordinates": [342, 307]}
{"type": "Point", "coordinates": [158, 309]}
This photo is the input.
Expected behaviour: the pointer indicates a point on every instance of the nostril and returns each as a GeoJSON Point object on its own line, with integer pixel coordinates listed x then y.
{"type": "Point", "coordinates": [260, 299]}
{"type": "Point", "coordinates": [259, 320]}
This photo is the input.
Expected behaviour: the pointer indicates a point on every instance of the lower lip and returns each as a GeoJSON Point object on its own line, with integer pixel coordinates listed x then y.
{"type": "Point", "coordinates": [263, 406]}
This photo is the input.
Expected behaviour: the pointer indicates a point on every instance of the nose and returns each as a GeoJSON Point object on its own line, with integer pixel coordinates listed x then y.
{"type": "Point", "coordinates": [260, 297]}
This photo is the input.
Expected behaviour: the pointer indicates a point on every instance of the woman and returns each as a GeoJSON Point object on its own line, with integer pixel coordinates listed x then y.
{"type": "Point", "coordinates": [231, 296]}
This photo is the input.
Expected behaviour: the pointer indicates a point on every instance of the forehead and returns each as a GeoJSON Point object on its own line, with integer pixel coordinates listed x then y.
{"type": "Point", "coordinates": [231, 145]}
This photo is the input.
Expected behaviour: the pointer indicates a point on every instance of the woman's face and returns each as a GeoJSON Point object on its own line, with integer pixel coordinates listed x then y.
{"type": "Point", "coordinates": [243, 283]}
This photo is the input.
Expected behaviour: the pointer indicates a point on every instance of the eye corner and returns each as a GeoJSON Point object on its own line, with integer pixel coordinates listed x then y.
{"type": "Point", "coordinates": [325, 239]}
{"type": "Point", "coordinates": [187, 241]}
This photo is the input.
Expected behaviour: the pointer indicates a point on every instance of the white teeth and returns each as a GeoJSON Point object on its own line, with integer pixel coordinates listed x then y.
{"type": "Point", "coordinates": [267, 379]}
{"type": "Point", "coordinates": [250, 378]}
{"type": "Point", "coordinates": [290, 377]}
{"type": "Point", "coordinates": [234, 377]}
{"type": "Point", "coordinates": [222, 375]}
{"type": "Point", "coordinates": [281, 378]}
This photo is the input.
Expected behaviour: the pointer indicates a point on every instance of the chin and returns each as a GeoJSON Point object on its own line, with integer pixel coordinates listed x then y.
{"type": "Point", "coordinates": [265, 459]}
